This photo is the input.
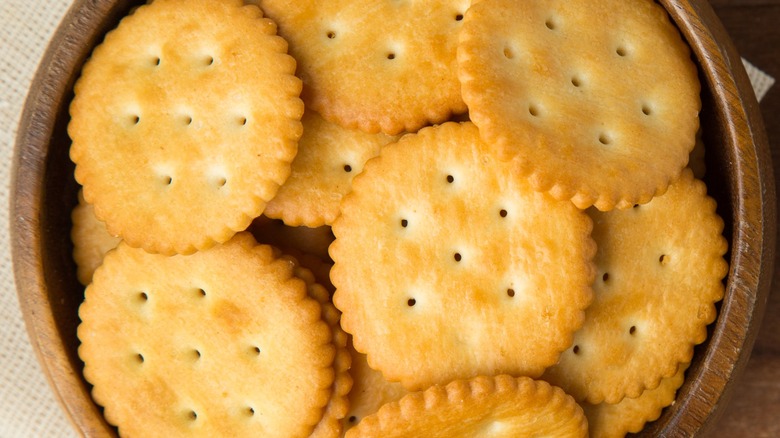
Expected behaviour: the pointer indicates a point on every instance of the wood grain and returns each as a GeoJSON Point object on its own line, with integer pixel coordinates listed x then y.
{"type": "Point", "coordinates": [740, 178]}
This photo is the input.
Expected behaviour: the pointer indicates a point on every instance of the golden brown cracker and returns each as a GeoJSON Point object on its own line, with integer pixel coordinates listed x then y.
{"type": "Point", "coordinates": [444, 258]}
{"type": "Point", "coordinates": [375, 65]}
{"type": "Point", "coordinates": [598, 102]}
{"type": "Point", "coordinates": [660, 271]}
{"type": "Point", "coordinates": [91, 240]}
{"type": "Point", "coordinates": [223, 342]}
{"type": "Point", "coordinates": [184, 123]}
{"type": "Point", "coordinates": [631, 414]}
{"type": "Point", "coordinates": [500, 406]}
{"type": "Point", "coordinates": [329, 156]}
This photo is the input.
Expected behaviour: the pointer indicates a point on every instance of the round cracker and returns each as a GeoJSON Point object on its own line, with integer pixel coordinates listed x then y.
{"type": "Point", "coordinates": [436, 229]}
{"type": "Point", "coordinates": [500, 406]}
{"type": "Point", "coordinates": [223, 342]}
{"type": "Point", "coordinates": [329, 157]}
{"type": "Point", "coordinates": [631, 414]}
{"type": "Point", "coordinates": [660, 270]}
{"type": "Point", "coordinates": [91, 240]}
{"type": "Point", "coordinates": [184, 123]}
{"type": "Point", "coordinates": [580, 94]}
{"type": "Point", "coordinates": [375, 65]}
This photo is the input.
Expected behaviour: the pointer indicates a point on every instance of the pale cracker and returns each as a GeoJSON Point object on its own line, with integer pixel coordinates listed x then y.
{"type": "Point", "coordinates": [631, 414]}
{"type": "Point", "coordinates": [500, 406]}
{"type": "Point", "coordinates": [582, 94]}
{"type": "Point", "coordinates": [660, 270]}
{"type": "Point", "coordinates": [444, 259]}
{"type": "Point", "coordinates": [375, 65]}
{"type": "Point", "coordinates": [329, 156]}
{"type": "Point", "coordinates": [223, 342]}
{"type": "Point", "coordinates": [184, 123]}
{"type": "Point", "coordinates": [91, 240]}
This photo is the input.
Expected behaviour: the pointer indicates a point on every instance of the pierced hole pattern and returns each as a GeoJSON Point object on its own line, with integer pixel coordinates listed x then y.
{"type": "Point", "coordinates": [621, 51]}
{"type": "Point", "coordinates": [632, 330]}
{"type": "Point", "coordinates": [663, 260]}
{"type": "Point", "coordinates": [458, 17]}
{"type": "Point", "coordinates": [404, 223]}
{"type": "Point", "coordinates": [450, 179]}
{"type": "Point", "coordinates": [605, 139]}
{"type": "Point", "coordinates": [576, 349]}
{"type": "Point", "coordinates": [508, 54]}
{"type": "Point", "coordinates": [411, 302]}
{"type": "Point", "coordinates": [391, 55]}
{"type": "Point", "coordinates": [457, 257]}
{"type": "Point", "coordinates": [534, 110]}
{"type": "Point", "coordinates": [503, 213]}
{"type": "Point", "coordinates": [510, 293]}
{"type": "Point", "coordinates": [347, 168]}
{"type": "Point", "coordinates": [605, 277]}
{"type": "Point", "coordinates": [331, 34]}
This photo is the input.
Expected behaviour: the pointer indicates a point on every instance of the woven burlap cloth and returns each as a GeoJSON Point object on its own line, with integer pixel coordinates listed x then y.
{"type": "Point", "coordinates": [27, 405]}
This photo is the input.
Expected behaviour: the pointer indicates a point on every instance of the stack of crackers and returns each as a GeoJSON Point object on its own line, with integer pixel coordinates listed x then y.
{"type": "Point", "coordinates": [383, 218]}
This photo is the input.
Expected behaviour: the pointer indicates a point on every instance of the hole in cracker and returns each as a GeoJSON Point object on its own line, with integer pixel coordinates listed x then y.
{"type": "Point", "coordinates": [156, 61]}
{"type": "Point", "coordinates": [256, 350]}
{"type": "Point", "coordinates": [458, 17]}
{"type": "Point", "coordinates": [242, 121]}
{"type": "Point", "coordinates": [605, 277]}
{"type": "Point", "coordinates": [646, 110]}
{"type": "Point", "coordinates": [209, 60]}
{"type": "Point", "coordinates": [331, 34]}
{"type": "Point", "coordinates": [143, 297]}
{"type": "Point", "coordinates": [508, 54]}
{"type": "Point", "coordinates": [450, 179]}
{"type": "Point", "coordinates": [457, 257]}
{"type": "Point", "coordinates": [550, 24]}
{"type": "Point", "coordinates": [503, 213]}
{"type": "Point", "coordinates": [188, 120]}
{"type": "Point", "coordinates": [411, 302]}
{"type": "Point", "coordinates": [621, 51]}
{"type": "Point", "coordinates": [534, 110]}
{"type": "Point", "coordinates": [352, 419]}
{"type": "Point", "coordinates": [196, 353]}
{"type": "Point", "coordinates": [347, 168]}
{"type": "Point", "coordinates": [167, 180]}
{"type": "Point", "coordinates": [576, 82]}
{"type": "Point", "coordinates": [664, 259]}
{"type": "Point", "coordinates": [140, 358]}
{"type": "Point", "coordinates": [404, 223]}
{"type": "Point", "coordinates": [510, 293]}
{"type": "Point", "coordinates": [605, 139]}
{"type": "Point", "coordinates": [576, 349]}
{"type": "Point", "coordinates": [632, 330]}
{"type": "Point", "coordinates": [135, 119]}
{"type": "Point", "coordinates": [250, 411]}
{"type": "Point", "coordinates": [201, 292]}
{"type": "Point", "coordinates": [192, 415]}
{"type": "Point", "coordinates": [391, 55]}
{"type": "Point", "coordinates": [221, 181]}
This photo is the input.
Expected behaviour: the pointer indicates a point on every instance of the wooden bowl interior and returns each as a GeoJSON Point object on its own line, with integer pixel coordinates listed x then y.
{"type": "Point", "coordinates": [45, 193]}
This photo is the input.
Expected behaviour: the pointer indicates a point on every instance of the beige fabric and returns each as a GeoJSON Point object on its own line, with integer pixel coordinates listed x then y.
{"type": "Point", "coordinates": [27, 405]}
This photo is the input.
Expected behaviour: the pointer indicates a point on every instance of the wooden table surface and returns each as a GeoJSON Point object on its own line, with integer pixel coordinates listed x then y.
{"type": "Point", "coordinates": [754, 410]}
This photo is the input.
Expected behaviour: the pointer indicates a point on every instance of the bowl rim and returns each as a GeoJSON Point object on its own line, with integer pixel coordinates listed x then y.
{"type": "Point", "coordinates": [753, 201]}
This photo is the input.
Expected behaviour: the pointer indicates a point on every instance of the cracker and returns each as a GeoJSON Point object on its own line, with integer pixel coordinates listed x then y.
{"type": "Point", "coordinates": [91, 240]}
{"type": "Point", "coordinates": [370, 391]}
{"type": "Point", "coordinates": [375, 65]}
{"type": "Point", "coordinates": [444, 258]}
{"type": "Point", "coordinates": [223, 342]}
{"type": "Point", "coordinates": [580, 93]}
{"type": "Point", "coordinates": [501, 406]}
{"type": "Point", "coordinates": [329, 156]}
{"type": "Point", "coordinates": [660, 270]}
{"type": "Point", "coordinates": [331, 424]}
{"type": "Point", "coordinates": [184, 123]}
{"type": "Point", "coordinates": [314, 241]}
{"type": "Point", "coordinates": [631, 414]}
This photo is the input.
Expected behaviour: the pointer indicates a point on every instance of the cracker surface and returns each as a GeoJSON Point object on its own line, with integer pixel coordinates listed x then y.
{"type": "Point", "coordinates": [445, 259]}
{"type": "Point", "coordinates": [377, 65]}
{"type": "Point", "coordinates": [660, 271]}
{"type": "Point", "coordinates": [91, 240]}
{"type": "Point", "coordinates": [582, 94]}
{"type": "Point", "coordinates": [184, 123]}
{"type": "Point", "coordinates": [223, 342]}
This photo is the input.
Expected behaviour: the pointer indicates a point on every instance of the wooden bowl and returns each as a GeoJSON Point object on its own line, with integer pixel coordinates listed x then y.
{"type": "Point", "coordinates": [739, 177]}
